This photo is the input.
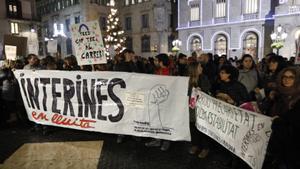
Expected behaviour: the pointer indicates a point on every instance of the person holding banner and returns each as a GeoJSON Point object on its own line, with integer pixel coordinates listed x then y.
{"type": "Point", "coordinates": [33, 62]}
{"type": "Point", "coordinates": [198, 81]}
{"type": "Point", "coordinates": [7, 93]}
{"type": "Point", "coordinates": [230, 90]}
{"type": "Point", "coordinates": [161, 61]}
{"type": "Point", "coordinates": [284, 142]}
{"type": "Point", "coordinates": [126, 65]}
{"type": "Point", "coordinates": [70, 63]}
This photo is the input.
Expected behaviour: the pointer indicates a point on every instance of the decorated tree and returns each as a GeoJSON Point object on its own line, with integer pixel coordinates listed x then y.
{"type": "Point", "coordinates": [114, 35]}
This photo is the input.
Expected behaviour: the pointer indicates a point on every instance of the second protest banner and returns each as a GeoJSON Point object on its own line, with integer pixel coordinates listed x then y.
{"type": "Point", "coordinates": [244, 133]}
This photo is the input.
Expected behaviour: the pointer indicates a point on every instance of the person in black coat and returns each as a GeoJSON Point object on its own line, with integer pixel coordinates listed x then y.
{"type": "Point", "coordinates": [228, 89]}
{"type": "Point", "coordinates": [126, 64]}
{"type": "Point", "coordinates": [284, 142]}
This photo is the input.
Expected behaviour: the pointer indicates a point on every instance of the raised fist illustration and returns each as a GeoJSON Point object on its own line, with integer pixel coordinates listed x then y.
{"type": "Point", "coordinates": [158, 94]}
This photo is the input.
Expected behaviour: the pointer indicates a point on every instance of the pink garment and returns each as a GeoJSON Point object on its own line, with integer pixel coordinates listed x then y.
{"type": "Point", "coordinates": [251, 106]}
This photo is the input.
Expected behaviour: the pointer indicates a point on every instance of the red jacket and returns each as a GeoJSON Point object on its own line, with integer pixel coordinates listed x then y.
{"type": "Point", "coordinates": [163, 71]}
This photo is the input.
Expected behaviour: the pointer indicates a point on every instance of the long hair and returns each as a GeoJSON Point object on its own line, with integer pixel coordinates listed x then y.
{"type": "Point", "coordinates": [243, 58]}
{"type": "Point", "coordinates": [194, 77]}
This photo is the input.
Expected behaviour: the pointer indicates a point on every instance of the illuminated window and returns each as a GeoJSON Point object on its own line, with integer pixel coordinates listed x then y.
{"type": "Point", "coordinates": [251, 6]}
{"type": "Point", "coordinates": [14, 28]}
{"type": "Point", "coordinates": [250, 42]}
{"type": "Point", "coordinates": [12, 9]}
{"type": "Point", "coordinates": [127, 2]}
{"type": "Point", "coordinates": [196, 44]}
{"type": "Point", "coordinates": [221, 45]}
{"type": "Point", "coordinates": [195, 13]}
{"type": "Point", "coordinates": [58, 5]}
{"type": "Point", "coordinates": [221, 8]}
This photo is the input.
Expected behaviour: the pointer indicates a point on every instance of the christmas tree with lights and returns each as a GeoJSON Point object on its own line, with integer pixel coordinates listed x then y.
{"type": "Point", "coordinates": [114, 35]}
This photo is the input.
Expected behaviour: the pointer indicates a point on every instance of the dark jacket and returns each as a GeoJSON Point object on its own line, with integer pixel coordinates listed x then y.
{"type": "Point", "coordinates": [236, 90]}
{"type": "Point", "coordinates": [285, 140]}
{"type": "Point", "coordinates": [211, 71]}
{"type": "Point", "coordinates": [205, 86]}
{"type": "Point", "coordinates": [126, 67]}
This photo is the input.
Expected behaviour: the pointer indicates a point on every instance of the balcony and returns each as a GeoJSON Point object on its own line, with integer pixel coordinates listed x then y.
{"type": "Point", "coordinates": [220, 20]}
{"type": "Point", "coordinates": [294, 9]}
{"type": "Point", "coordinates": [195, 23]}
{"type": "Point", "coordinates": [250, 16]}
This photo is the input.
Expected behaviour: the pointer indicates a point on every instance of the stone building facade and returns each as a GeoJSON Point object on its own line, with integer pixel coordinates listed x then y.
{"type": "Point", "coordinates": [149, 25]}
{"type": "Point", "coordinates": [230, 27]}
{"type": "Point", "coordinates": [19, 25]}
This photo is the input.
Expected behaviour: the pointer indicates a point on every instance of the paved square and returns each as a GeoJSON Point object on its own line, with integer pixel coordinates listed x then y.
{"type": "Point", "coordinates": [56, 155]}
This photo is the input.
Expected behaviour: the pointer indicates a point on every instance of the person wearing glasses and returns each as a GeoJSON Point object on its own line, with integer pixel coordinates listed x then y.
{"type": "Point", "coordinates": [284, 142]}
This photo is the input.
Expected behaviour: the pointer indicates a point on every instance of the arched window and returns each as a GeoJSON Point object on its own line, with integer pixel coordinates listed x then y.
{"type": "Point", "coordinates": [250, 44]}
{"type": "Point", "coordinates": [196, 44]}
{"type": "Point", "coordinates": [221, 45]}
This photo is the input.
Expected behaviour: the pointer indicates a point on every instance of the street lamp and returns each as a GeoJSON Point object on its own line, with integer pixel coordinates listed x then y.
{"type": "Point", "coordinates": [176, 45]}
{"type": "Point", "coordinates": [59, 32]}
{"type": "Point", "coordinates": [278, 37]}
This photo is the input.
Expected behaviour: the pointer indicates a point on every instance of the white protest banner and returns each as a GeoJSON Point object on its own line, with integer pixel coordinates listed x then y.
{"type": "Point", "coordinates": [10, 52]}
{"type": "Point", "coordinates": [32, 42]}
{"type": "Point", "coordinates": [244, 133]}
{"type": "Point", "coordinates": [111, 102]}
{"type": "Point", "coordinates": [88, 43]}
{"type": "Point", "coordinates": [52, 46]}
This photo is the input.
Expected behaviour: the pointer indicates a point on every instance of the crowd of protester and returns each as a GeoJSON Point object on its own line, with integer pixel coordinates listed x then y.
{"type": "Point", "coordinates": [271, 86]}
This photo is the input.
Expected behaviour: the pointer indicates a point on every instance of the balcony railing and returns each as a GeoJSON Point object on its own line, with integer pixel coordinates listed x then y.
{"type": "Point", "coordinates": [220, 20]}
{"type": "Point", "coordinates": [195, 23]}
{"type": "Point", "coordinates": [250, 16]}
{"type": "Point", "coordinates": [294, 9]}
